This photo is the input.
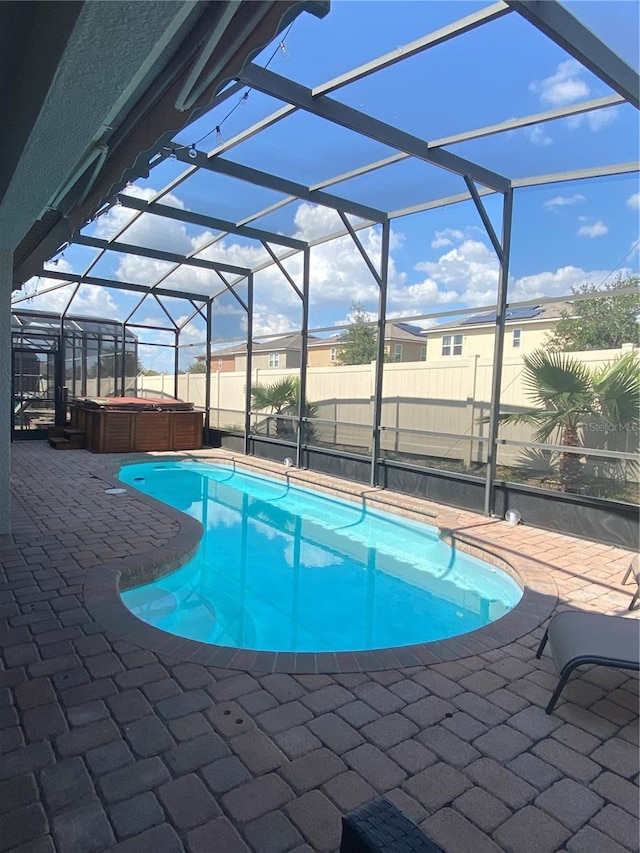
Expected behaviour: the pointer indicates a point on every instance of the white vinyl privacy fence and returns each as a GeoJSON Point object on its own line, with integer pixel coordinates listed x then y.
{"type": "Point", "coordinates": [434, 410]}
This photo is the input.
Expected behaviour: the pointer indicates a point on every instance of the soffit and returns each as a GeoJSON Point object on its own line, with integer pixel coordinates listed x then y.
{"type": "Point", "coordinates": [111, 96]}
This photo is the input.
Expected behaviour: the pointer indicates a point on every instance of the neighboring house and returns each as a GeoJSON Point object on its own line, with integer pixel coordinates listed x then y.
{"type": "Point", "coordinates": [222, 361]}
{"type": "Point", "coordinates": [526, 329]}
{"type": "Point", "coordinates": [402, 342]}
{"type": "Point", "coordinates": [284, 352]}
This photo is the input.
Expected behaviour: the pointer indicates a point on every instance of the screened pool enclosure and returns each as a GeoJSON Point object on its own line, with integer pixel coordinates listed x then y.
{"type": "Point", "coordinates": [266, 241]}
{"type": "Point", "coordinates": [56, 359]}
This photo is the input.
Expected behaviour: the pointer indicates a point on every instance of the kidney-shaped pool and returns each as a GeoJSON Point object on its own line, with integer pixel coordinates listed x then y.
{"type": "Point", "coordinates": [284, 568]}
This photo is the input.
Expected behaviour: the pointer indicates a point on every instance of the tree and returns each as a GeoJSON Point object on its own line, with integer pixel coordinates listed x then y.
{"type": "Point", "coordinates": [566, 393]}
{"type": "Point", "coordinates": [197, 367]}
{"type": "Point", "coordinates": [283, 399]}
{"type": "Point", "coordinates": [605, 322]}
{"type": "Point", "coordinates": [358, 343]}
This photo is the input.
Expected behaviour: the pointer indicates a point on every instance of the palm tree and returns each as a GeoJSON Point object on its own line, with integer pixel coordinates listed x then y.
{"type": "Point", "coordinates": [282, 398]}
{"type": "Point", "coordinates": [566, 393]}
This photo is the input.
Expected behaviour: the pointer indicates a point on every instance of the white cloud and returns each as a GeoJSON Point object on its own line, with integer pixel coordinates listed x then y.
{"type": "Point", "coordinates": [313, 222]}
{"type": "Point", "coordinates": [266, 321]}
{"type": "Point", "coordinates": [595, 120]}
{"type": "Point", "coordinates": [634, 201]}
{"type": "Point", "coordinates": [563, 201]}
{"type": "Point", "coordinates": [463, 272]}
{"type": "Point", "coordinates": [89, 301]}
{"type": "Point", "coordinates": [467, 273]}
{"type": "Point", "coordinates": [311, 556]}
{"type": "Point", "coordinates": [148, 231]}
{"type": "Point", "coordinates": [565, 86]}
{"type": "Point", "coordinates": [145, 230]}
{"type": "Point", "coordinates": [193, 332]}
{"type": "Point", "coordinates": [538, 135]}
{"type": "Point", "coordinates": [420, 298]}
{"type": "Point", "coordinates": [446, 237]}
{"type": "Point", "coordinates": [601, 118]}
{"type": "Point", "coordinates": [598, 229]}
{"type": "Point", "coordinates": [558, 283]}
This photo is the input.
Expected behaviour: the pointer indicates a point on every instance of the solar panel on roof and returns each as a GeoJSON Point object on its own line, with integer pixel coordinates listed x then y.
{"type": "Point", "coordinates": [527, 312]}
{"type": "Point", "coordinates": [407, 327]}
{"type": "Point", "coordinates": [524, 313]}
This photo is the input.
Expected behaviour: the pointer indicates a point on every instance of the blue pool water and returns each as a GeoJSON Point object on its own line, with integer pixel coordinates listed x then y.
{"type": "Point", "coordinates": [282, 568]}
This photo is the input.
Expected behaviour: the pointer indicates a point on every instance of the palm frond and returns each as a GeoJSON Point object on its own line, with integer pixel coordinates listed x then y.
{"type": "Point", "coordinates": [553, 379]}
{"type": "Point", "coordinates": [617, 388]}
{"type": "Point", "coordinates": [274, 397]}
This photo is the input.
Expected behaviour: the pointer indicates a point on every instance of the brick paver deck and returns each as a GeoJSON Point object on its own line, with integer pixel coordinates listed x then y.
{"type": "Point", "coordinates": [109, 745]}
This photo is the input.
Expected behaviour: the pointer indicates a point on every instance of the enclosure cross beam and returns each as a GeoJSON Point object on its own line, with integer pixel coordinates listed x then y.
{"type": "Point", "coordinates": [283, 269]}
{"type": "Point", "coordinates": [96, 281]}
{"type": "Point", "coordinates": [365, 257]}
{"type": "Point", "coordinates": [482, 211]}
{"type": "Point", "coordinates": [417, 46]}
{"type": "Point", "coordinates": [324, 107]}
{"type": "Point", "coordinates": [159, 255]}
{"type": "Point", "coordinates": [176, 213]}
{"type": "Point", "coordinates": [559, 25]}
{"type": "Point", "coordinates": [280, 185]}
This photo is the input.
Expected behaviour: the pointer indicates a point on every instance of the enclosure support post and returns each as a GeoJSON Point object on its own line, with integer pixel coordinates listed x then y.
{"type": "Point", "coordinates": [123, 362]}
{"type": "Point", "coordinates": [382, 321]}
{"type": "Point", "coordinates": [59, 406]}
{"type": "Point", "coordinates": [98, 365]}
{"type": "Point", "coordinates": [176, 362]}
{"type": "Point", "coordinates": [302, 408]}
{"type": "Point", "coordinates": [247, 404]}
{"type": "Point", "coordinates": [207, 378]}
{"type": "Point", "coordinates": [136, 350]}
{"type": "Point", "coordinates": [498, 352]}
{"type": "Point", "coordinates": [6, 282]}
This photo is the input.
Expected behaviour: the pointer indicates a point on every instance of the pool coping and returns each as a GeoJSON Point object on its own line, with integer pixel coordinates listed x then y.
{"type": "Point", "coordinates": [103, 601]}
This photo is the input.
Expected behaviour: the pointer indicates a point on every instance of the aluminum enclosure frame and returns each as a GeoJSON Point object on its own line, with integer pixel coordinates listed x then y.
{"type": "Point", "coordinates": [549, 17]}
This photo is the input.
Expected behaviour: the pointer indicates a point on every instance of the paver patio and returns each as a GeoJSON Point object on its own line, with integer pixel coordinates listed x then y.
{"type": "Point", "coordinates": [110, 746]}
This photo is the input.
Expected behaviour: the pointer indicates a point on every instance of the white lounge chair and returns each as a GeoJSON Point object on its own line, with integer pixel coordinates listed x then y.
{"type": "Point", "coordinates": [577, 637]}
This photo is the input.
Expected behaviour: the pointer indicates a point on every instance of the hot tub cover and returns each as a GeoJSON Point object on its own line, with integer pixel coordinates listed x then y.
{"type": "Point", "coordinates": [137, 404]}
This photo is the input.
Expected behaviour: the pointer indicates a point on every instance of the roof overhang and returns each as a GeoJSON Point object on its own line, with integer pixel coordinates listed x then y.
{"type": "Point", "coordinates": [83, 125]}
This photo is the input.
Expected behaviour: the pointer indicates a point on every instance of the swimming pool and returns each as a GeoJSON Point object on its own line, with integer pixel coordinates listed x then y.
{"type": "Point", "coordinates": [283, 568]}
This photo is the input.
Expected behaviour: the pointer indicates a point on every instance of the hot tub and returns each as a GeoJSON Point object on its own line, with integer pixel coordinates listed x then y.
{"type": "Point", "coordinates": [128, 424]}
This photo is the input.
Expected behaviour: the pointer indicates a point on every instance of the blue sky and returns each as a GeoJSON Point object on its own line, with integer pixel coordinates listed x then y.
{"type": "Point", "coordinates": [564, 234]}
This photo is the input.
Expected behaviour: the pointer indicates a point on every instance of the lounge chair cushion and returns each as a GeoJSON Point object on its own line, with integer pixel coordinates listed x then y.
{"type": "Point", "coordinates": [577, 637]}
{"type": "Point", "coordinates": [608, 640]}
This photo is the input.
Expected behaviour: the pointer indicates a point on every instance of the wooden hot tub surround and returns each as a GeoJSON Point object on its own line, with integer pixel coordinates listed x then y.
{"type": "Point", "coordinates": [128, 424]}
